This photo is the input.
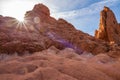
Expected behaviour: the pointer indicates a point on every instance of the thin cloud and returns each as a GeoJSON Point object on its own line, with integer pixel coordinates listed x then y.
{"type": "Point", "coordinates": [64, 5]}
{"type": "Point", "coordinates": [94, 8]}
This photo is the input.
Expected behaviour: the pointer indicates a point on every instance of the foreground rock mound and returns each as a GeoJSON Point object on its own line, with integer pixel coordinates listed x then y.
{"type": "Point", "coordinates": [39, 31]}
{"type": "Point", "coordinates": [54, 64]}
{"type": "Point", "coordinates": [109, 29]}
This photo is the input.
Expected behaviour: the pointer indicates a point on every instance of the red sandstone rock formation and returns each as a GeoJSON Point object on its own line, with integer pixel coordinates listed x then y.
{"type": "Point", "coordinates": [39, 31]}
{"type": "Point", "coordinates": [109, 29]}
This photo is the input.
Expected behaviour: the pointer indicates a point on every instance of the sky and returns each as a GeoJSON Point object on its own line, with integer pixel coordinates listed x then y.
{"type": "Point", "coordinates": [83, 14]}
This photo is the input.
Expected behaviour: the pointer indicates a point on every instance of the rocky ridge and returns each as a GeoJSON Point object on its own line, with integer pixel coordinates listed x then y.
{"type": "Point", "coordinates": [40, 31]}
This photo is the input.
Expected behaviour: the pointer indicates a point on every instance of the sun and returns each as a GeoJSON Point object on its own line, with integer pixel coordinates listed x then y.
{"type": "Point", "coordinates": [16, 8]}
{"type": "Point", "coordinates": [20, 18]}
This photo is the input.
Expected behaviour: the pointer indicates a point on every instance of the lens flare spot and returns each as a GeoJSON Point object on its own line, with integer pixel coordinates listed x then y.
{"type": "Point", "coordinates": [37, 20]}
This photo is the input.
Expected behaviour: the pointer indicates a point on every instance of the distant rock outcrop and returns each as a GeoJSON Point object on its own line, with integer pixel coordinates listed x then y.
{"type": "Point", "coordinates": [109, 29]}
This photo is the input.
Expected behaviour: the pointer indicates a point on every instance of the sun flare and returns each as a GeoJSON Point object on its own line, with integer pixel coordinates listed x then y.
{"type": "Point", "coordinates": [20, 19]}
{"type": "Point", "coordinates": [17, 9]}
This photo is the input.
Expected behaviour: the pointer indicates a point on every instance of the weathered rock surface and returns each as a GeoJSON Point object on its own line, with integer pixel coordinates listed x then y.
{"type": "Point", "coordinates": [109, 29]}
{"type": "Point", "coordinates": [54, 64]}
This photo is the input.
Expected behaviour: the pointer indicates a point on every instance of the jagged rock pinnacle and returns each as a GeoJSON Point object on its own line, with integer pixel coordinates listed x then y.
{"type": "Point", "coordinates": [109, 29]}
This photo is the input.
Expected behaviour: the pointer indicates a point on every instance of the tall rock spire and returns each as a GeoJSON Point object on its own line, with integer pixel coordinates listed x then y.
{"type": "Point", "coordinates": [109, 29]}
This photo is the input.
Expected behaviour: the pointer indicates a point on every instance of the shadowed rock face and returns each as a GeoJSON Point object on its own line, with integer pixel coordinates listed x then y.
{"type": "Point", "coordinates": [39, 31]}
{"type": "Point", "coordinates": [109, 29]}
